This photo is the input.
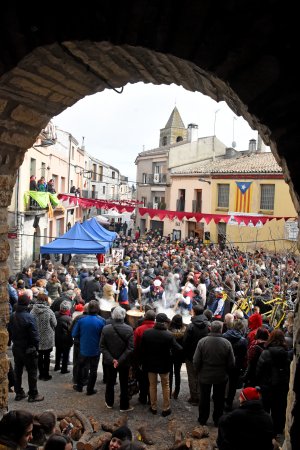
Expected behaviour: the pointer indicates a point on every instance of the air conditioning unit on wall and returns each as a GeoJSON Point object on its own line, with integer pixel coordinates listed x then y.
{"type": "Point", "coordinates": [156, 178]}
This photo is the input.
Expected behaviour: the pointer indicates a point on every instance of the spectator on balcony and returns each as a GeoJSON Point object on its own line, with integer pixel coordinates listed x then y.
{"type": "Point", "coordinates": [32, 184]}
{"type": "Point", "coordinates": [124, 228]}
{"type": "Point", "coordinates": [50, 187]}
{"type": "Point", "coordinates": [41, 185]}
{"type": "Point", "coordinates": [77, 192]}
{"type": "Point", "coordinates": [73, 190]}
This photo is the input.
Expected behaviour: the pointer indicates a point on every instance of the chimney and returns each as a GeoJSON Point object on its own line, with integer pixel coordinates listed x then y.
{"type": "Point", "coordinates": [260, 144]}
{"type": "Point", "coordinates": [192, 132]}
{"type": "Point", "coordinates": [252, 145]}
{"type": "Point", "coordinates": [82, 144]}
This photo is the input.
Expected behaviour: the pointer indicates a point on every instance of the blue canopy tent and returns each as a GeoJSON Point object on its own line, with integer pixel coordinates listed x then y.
{"type": "Point", "coordinates": [76, 241]}
{"type": "Point", "coordinates": [94, 227]}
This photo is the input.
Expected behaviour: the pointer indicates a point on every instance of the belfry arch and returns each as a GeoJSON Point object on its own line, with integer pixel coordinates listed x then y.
{"type": "Point", "coordinates": [49, 61]}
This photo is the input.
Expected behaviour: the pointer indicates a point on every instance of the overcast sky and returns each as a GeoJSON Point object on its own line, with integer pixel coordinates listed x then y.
{"type": "Point", "coordinates": [116, 127]}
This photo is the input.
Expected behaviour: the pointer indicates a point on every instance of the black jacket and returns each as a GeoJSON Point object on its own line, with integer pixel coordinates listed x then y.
{"type": "Point", "coordinates": [273, 367]}
{"type": "Point", "coordinates": [23, 329]}
{"type": "Point", "coordinates": [247, 427]}
{"type": "Point", "coordinates": [194, 332]}
{"type": "Point", "coordinates": [157, 346]}
{"type": "Point", "coordinates": [117, 343]}
{"type": "Point", "coordinates": [63, 337]}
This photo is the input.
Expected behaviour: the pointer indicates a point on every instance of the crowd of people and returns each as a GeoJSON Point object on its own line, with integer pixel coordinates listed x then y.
{"type": "Point", "coordinates": [41, 185]}
{"type": "Point", "coordinates": [193, 314]}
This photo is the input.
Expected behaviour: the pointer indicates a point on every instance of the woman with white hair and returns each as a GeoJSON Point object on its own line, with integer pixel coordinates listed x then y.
{"type": "Point", "coordinates": [116, 346]}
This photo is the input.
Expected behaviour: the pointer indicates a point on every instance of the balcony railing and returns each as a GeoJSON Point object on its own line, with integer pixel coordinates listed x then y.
{"type": "Point", "coordinates": [154, 178]}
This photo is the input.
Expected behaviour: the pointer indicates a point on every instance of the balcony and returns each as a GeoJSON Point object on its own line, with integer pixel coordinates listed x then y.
{"type": "Point", "coordinates": [37, 203]}
{"type": "Point", "coordinates": [154, 178]}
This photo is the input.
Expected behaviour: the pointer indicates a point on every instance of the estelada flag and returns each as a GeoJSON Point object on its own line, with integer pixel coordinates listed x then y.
{"type": "Point", "coordinates": [243, 196]}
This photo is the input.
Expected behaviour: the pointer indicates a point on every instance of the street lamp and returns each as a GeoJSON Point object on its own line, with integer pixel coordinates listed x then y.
{"type": "Point", "coordinates": [213, 146]}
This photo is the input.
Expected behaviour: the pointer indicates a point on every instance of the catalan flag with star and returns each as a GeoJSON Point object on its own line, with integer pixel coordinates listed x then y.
{"type": "Point", "coordinates": [243, 196]}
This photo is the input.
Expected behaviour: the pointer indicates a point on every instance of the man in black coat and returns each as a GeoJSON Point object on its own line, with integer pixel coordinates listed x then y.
{"type": "Point", "coordinates": [196, 330]}
{"type": "Point", "coordinates": [156, 347]}
{"type": "Point", "coordinates": [25, 339]}
{"type": "Point", "coordinates": [247, 427]}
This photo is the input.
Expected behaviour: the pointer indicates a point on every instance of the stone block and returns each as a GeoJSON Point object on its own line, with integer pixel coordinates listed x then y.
{"type": "Point", "coordinates": [28, 116]}
{"type": "Point", "coordinates": [4, 367]}
{"type": "Point", "coordinates": [3, 104]}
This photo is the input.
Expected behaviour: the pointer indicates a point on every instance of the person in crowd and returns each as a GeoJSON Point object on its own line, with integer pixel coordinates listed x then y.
{"type": "Point", "coordinates": [156, 347]}
{"type": "Point", "coordinates": [50, 186]}
{"type": "Point", "coordinates": [32, 183]}
{"type": "Point", "coordinates": [12, 291]}
{"type": "Point", "coordinates": [254, 322]}
{"type": "Point", "coordinates": [196, 330]}
{"type": "Point", "coordinates": [92, 288]}
{"type": "Point", "coordinates": [273, 374]}
{"type": "Point", "coordinates": [44, 425]}
{"type": "Point", "coordinates": [253, 354]}
{"type": "Point", "coordinates": [46, 323]}
{"type": "Point", "coordinates": [25, 339]}
{"type": "Point", "coordinates": [59, 442]}
{"type": "Point", "coordinates": [16, 430]}
{"type": "Point", "coordinates": [88, 330]}
{"type": "Point", "coordinates": [239, 344]}
{"type": "Point", "coordinates": [117, 348]}
{"type": "Point", "coordinates": [76, 351]}
{"type": "Point", "coordinates": [148, 322]}
{"type": "Point", "coordinates": [119, 436]}
{"type": "Point", "coordinates": [53, 287]}
{"type": "Point", "coordinates": [177, 328]}
{"type": "Point", "coordinates": [41, 185]}
{"type": "Point", "coordinates": [213, 359]}
{"type": "Point", "coordinates": [67, 295]}
{"type": "Point", "coordinates": [248, 427]}
{"type": "Point", "coordinates": [63, 337]}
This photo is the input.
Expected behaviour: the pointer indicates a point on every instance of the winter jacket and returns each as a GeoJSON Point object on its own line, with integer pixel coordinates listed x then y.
{"type": "Point", "coordinates": [54, 289]}
{"type": "Point", "coordinates": [157, 347]}
{"type": "Point", "coordinates": [88, 330]}
{"type": "Point", "coordinates": [194, 332]}
{"type": "Point", "coordinates": [137, 338]}
{"type": "Point", "coordinates": [254, 322]}
{"type": "Point", "coordinates": [239, 346]}
{"type": "Point", "coordinates": [23, 329]}
{"type": "Point", "coordinates": [91, 287]}
{"type": "Point", "coordinates": [273, 367]}
{"type": "Point", "coordinates": [253, 354]}
{"type": "Point", "coordinates": [63, 337]}
{"type": "Point", "coordinates": [46, 323]}
{"type": "Point", "coordinates": [213, 359]}
{"type": "Point", "coordinates": [117, 343]}
{"type": "Point", "coordinates": [247, 427]}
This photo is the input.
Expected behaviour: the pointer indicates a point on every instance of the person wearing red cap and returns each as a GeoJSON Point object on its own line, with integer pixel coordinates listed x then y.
{"type": "Point", "coordinates": [247, 427]}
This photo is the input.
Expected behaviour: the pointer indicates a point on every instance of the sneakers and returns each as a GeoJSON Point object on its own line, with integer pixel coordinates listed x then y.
{"type": "Point", "coordinates": [36, 398]}
{"type": "Point", "coordinates": [166, 413]}
{"type": "Point", "coordinates": [94, 391]}
{"type": "Point", "coordinates": [107, 406]}
{"type": "Point", "coordinates": [20, 396]}
{"type": "Point", "coordinates": [77, 388]}
{"type": "Point", "coordinates": [130, 408]}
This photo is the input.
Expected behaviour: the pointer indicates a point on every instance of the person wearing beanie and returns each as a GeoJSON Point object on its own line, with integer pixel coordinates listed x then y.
{"type": "Point", "coordinates": [248, 426]}
{"type": "Point", "coordinates": [148, 322]}
{"type": "Point", "coordinates": [119, 436]}
{"type": "Point", "coordinates": [63, 338]}
{"type": "Point", "coordinates": [25, 339]}
{"type": "Point", "coordinates": [156, 347]}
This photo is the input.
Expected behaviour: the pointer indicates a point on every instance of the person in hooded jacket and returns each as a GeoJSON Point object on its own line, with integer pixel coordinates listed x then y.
{"type": "Point", "coordinates": [248, 427]}
{"type": "Point", "coordinates": [253, 354]}
{"type": "Point", "coordinates": [239, 346]}
{"type": "Point", "coordinates": [63, 337]}
{"type": "Point", "coordinates": [46, 323]}
{"type": "Point", "coordinates": [273, 374]}
{"type": "Point", "coordinates": [254, 322]}
{"type": "Point", "coordinates": [196, 330]}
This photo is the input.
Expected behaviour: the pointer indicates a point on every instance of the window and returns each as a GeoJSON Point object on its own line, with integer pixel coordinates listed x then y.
{"type": "Point", "coordinates": [223, 195]}
{"type": "Point", "coordinates": [43, 170]}
{"type": "Point", "coordinates": [164, 140]}
{"type": "Point", "coordinates": [267, 194]}
{"type": "Point", "coordinates": [179, 139]}
{"type": "Point", "coordinates": [197, 203]}
{"type": "Point", "coordinates": [144, 178]}
{"type": "Point", "coordinates": [113, 175]}
{"type": "Point", "coordinates": [63, 184]}
{"type": "Point", "coordinates": [144, 201]}
{"type": "Point", "coordinates": [94, 176]}
{"type": "Point", "coordinates": [180, 204]}
{"type": "Point", "coordinates": [32, 167]}
{"type": "Point", "coordinates": [291, 230]}
{"type": "Point", "coordinates": [103, 189]}
{"type": "Point", "coordinates": [100, 173]}
{"type": "Point", "coordinates": [72, 152]}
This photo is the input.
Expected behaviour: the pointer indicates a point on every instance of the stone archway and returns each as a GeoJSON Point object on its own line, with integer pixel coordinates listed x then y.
{"type": "Point", "coordinates": [49, 61]}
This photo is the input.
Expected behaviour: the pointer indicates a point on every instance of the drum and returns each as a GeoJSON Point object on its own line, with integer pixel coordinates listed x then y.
{"type": "Point", "coordinates": [105, 313]}
{"type": "Point", "coordinates": [133, 316]}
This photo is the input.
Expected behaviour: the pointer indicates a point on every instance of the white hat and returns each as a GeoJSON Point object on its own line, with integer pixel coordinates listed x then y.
{"type": "Point", "coordinates": [219, 289]}
{"type": "Point", "coordinates": [157, 283]}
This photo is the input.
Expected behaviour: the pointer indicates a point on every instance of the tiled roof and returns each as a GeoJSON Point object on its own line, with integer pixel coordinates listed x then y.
{"type": "Point", "coordinates": [252, 163]}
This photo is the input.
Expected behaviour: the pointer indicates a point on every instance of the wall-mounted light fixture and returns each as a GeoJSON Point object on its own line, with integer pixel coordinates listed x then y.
{"type": "Point", "coordinates": [204, 181]}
